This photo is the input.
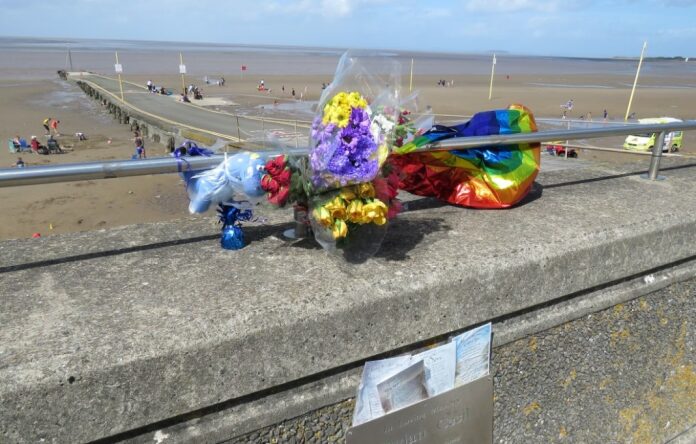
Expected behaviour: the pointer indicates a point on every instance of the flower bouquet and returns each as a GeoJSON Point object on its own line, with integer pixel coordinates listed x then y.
{"type": "Point", "coordinates": [351, 138]}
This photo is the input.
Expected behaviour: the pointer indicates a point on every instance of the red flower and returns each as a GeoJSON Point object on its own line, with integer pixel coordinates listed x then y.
{"type": "Point", "coordinates": [276, 165]}
{"type": "Point", "coordinates": [283, 177]}
{"type": "Point", "coordinates": [269, 184]}
{"type": "Point", "coordinates": [280, 197]}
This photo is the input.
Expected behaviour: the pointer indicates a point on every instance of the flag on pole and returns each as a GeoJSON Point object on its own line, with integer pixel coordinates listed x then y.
{"type": "Point", "coordinates": [244, 68]}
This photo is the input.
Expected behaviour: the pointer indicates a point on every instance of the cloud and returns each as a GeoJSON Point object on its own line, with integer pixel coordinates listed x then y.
{"type": "Point", "coordinates": [512, 5]}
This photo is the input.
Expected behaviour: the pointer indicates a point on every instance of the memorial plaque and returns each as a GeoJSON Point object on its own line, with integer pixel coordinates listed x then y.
{"type": "Point", "coordinates": [459, 416]}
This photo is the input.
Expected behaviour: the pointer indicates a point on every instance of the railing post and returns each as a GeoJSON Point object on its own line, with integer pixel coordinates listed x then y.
{"type": "Point", "coordinates": [654, 169]}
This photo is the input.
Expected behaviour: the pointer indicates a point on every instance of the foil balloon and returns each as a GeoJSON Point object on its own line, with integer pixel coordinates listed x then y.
{"type": "Point", "coordinates": [236, 178]}
{"type": "Point", "coordinates": [493, 177]}
{"type": "Point", "coordinates": [232, 234]}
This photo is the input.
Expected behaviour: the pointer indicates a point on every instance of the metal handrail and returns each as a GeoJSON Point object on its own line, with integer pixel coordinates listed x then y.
{"type": "Point", "coordinates": [125, 168]}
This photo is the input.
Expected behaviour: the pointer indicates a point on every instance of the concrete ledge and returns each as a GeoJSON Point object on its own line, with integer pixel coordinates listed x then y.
{"type": "Point", "coordinates": [120, 338]}
{"type": "Point", "coordinates": [625, 374]}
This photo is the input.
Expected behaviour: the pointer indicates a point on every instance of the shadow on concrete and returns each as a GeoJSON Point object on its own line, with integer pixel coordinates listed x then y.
{"type": "Point", "coordinates": [251, 234]}
{"type": "Point", "coordinates": [405, 234]}
{"type": "Point", "coordinates": [615, 176]}
{"type": "Point", "coordinates": [107, 253]}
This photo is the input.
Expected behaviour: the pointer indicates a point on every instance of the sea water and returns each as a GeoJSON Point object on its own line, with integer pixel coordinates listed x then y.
{"type": "Point", "coordinates": [26, 58]}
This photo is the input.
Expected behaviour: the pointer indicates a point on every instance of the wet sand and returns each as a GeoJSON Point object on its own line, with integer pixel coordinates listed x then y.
{"type": "Point", "coordinates": [59, 208]}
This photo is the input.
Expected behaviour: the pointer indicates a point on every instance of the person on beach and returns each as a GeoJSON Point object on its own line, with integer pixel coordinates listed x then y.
{"type": "Point", "coordinates": [53, 146]}
{"type": "Point", "coordinates": [17, 144]}
{"type": "Point", "coordinates": [19, 163]}
{"type": "Point", "coordinates": [139, 149]}
{"type": "Point", "coordinates": [605, 115]}
{"type": "Point", "coordinates": [46, 121]}
{"type": "Point", "coordinates": [149, 85]}
{"type": "Point", "coordinates": [54, 127]}
{"type": "Point", "coordinates": [36, 147]}
{"type": "Point", "coordinates": [293, 93]}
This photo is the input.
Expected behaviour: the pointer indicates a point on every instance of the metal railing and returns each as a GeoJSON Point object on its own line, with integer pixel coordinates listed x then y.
{"type": "Point", "coordinates": [125, 168]}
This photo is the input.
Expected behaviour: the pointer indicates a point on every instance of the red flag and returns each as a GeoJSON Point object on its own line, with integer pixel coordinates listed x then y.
{"type": "Point", "coordinates": [243, 67]}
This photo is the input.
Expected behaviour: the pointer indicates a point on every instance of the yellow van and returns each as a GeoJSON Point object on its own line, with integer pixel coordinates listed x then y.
{"type": "Point", "coordinates": [646, 141]}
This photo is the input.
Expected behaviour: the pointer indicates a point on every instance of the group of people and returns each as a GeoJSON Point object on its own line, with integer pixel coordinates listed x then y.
{"type": "Point", "coordinates": [51, 126]}
{"type": "Point", "coordinates": [195, 91]}
{"type": "Point", "coordinates": [151, 87]}
{"type": "Point", "coordinates": [570, 104]}
{"type": "Point", "coordinates": [445, 82]}
{"type": "Point", "coordinates": [34, 146]}
{"type": "Point", "coordinates": [292, 92]}
{"type": "Point", "coordinates": [220, 82]}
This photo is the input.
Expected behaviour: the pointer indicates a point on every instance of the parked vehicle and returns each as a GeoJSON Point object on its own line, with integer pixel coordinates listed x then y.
{"type": "Point", "coordinates": [558, 149]}
{"type": "Point", "coordinates": [646, 141]}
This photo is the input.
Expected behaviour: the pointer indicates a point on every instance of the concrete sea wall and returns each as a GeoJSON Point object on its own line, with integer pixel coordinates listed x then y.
{"type": "Point", "coordinates": [152, 332]}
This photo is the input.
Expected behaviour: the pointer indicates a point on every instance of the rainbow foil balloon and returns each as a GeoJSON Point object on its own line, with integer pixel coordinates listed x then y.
{"type": "Point", "coordinates": [492, 177]}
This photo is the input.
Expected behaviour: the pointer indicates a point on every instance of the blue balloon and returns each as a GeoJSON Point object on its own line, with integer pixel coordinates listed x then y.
{"type": "Point", "coordinates": [239, 177]}
{"type": "Point", "coordinates": [232, 237]}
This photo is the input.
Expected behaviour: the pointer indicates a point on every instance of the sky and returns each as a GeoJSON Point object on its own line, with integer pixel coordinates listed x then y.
{"type": "Point", "coordinates": [573, 28]}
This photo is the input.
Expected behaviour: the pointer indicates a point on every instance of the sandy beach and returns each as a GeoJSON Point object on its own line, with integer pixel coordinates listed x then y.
{"type": "Point", "coordinates": [30, 95]}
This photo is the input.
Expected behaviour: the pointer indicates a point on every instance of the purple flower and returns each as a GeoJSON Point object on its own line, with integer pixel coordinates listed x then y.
{"type": "Point", "coordinates": [344, 157]}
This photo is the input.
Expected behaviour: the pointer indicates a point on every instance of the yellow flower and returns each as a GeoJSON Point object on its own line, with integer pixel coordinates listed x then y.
{"type": "Point", "coordinates": [341, 118]}
{"type": "Point", "coordinates": [347, 193]}
{"type": "Point", "coordinates": [323, 216]}
{"type": "Point", "coordinates": [339, 229]}
{"type": "Point", "coordinates": [355, 100]}
{"type": "Point", "coordinates": [337, 208]}
{"type": "Point", "coordinates": [338, 109]}
{"type": "Point", "coordinates": [355, 211]}
{"type": "Point", "coordinates": [366, 190]}
{"type": "Point", "coordinates": [375, 211]}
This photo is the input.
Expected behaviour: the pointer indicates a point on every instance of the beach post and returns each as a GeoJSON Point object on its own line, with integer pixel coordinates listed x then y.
{"type": "Point", "coordinates": [410, 82]}
{"type": "Point", "coordinates": [119, 69]}
{"type": "Point", "coordinates": [239, 132]}
{"type": "Point", "coordinates": [263, 131]}
{"type": "Point", "coordinates": [490, 89]}
{"type": "Point", "coordinates": [69, 59]}
{"type": "Point", "coordinates": [182, 71]}
{"type": "Point", "coordinates": [297, 135]}
{"type": "Point", "coordinates": [635, 82]}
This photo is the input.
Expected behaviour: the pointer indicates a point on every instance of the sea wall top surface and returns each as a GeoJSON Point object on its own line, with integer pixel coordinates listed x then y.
{"type": "Point", "coordinates": [103, 332]}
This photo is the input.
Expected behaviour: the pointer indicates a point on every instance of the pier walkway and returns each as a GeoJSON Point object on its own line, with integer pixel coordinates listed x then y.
{"type": "Point", "coordinates": [168, 110]}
